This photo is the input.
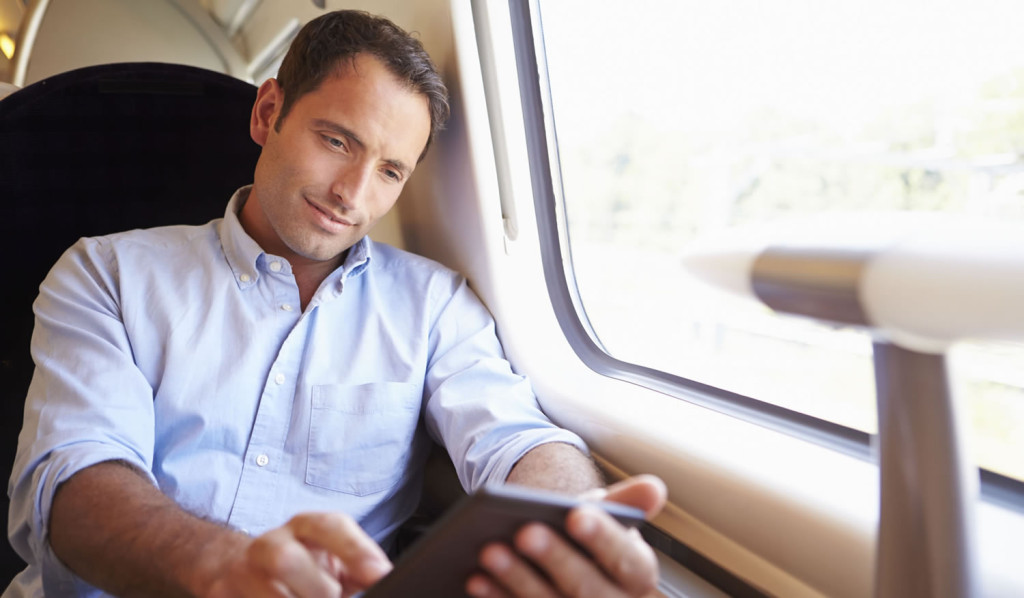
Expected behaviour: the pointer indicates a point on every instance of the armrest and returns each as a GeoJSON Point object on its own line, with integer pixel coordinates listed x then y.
{"type": "Point", "coordinates": [919, 283]}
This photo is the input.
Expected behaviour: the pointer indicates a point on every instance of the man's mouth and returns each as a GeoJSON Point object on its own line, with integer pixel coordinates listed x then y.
{"type": "Point", "coordinates": [329, 216]}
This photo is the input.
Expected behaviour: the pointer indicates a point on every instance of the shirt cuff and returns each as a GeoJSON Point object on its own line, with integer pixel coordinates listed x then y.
{"type": "Point", "coordinates": [58, 467]}
{"type": "Point", "coordinates": [523, 443]}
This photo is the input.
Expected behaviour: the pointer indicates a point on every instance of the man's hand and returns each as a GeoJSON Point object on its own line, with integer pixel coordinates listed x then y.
{"type": "Point", "coordinates": [543, 564]}
{"type": "Point", "coordinates": [314, 555]}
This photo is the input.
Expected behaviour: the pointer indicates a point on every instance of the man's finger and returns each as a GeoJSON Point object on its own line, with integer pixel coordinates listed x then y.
{"type": "Point", "coordinates": [362, 561]}
{"type": "Point", "coordinates": [572, 572]}
{"type": "Point", "coordinates": [280, 557]}
{"type": "Point", "coordinates": [515, 576]}
{"type": "Point", "coordinates": [645, 492]}
{"type": "Point", "coordinates": [620, 552]}
{"type": "Point", "coordinates": [480, 586]}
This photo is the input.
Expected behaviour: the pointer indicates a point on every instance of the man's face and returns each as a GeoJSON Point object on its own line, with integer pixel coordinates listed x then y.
{"type": "Point", "coordinates": [342, 155]}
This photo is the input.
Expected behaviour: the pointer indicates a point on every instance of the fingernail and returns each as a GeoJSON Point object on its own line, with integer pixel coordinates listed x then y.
{"type": "Point", "coordinates": [476, 587]}
{"type": "Point", "coordinates": [586, 523]}
{"type": "Point", "coordinates": [534, 540]}
{"type": "Point", "coordinates": [497, 559]}
{"type": "Point", "coordinates": [375, 568]}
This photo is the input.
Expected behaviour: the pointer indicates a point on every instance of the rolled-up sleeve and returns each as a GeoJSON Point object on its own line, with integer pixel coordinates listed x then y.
{"type": "Point", "coordinates": [87, 403]}
{"type": "Point", "coordinates": [484, 413]}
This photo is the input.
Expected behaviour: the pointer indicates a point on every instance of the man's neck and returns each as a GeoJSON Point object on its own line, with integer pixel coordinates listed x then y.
{"type": "Point", "coordinates": [310, 275]}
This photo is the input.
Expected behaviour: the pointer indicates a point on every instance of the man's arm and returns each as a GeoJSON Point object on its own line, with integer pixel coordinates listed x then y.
{"type": "Point", "coordinates": [558, 467]}
{"type": "Point", "coordinates": [111, 527]}
{"type": "Point", "coordinates": [488, 419]}
{"type": "Point", "coordinates": [115, 530]}
{"type": "Point", "coordinates": [618, 563]}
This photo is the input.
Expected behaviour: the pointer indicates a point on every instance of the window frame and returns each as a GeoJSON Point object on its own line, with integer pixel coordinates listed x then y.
{"type": "Point", "coordinates": [549, 204]}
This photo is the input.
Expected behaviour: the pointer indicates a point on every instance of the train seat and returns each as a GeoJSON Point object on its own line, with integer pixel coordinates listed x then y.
{"type": "Point", "coordinates": [98, 150]}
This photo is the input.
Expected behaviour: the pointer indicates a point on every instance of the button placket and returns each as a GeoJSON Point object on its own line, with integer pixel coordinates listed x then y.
{"type": "Point", "coordinates": [265, 458]}
{"type": "Point", "coordinates": [286, 293]}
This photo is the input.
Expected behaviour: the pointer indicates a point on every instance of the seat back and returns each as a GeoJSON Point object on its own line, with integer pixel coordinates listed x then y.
{"type": "Point", "coordinates": [99, 150]}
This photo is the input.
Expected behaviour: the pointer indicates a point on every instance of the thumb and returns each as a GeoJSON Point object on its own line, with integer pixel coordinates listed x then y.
{"type": "Point", "coordinates": [645, 492]}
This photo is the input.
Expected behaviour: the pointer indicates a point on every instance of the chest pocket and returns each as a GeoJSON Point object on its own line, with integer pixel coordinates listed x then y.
{"type": "Point", "coordinates": [360, 437]}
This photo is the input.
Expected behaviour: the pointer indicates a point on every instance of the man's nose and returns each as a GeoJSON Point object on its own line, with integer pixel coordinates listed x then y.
{"type": "Point", "coordinates": [352, 184]}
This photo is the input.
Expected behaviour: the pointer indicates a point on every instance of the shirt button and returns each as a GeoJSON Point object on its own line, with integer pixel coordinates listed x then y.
{"type": "Point", "coordinates": [275, 266]}
{"type": "Point", "coordinates": [244, 278]}
{"type": "Point", "coordinates": [287, 306]}
{"type": "Point", "coordinates": [279, 378]}
{"type": "Point", "coordinates": [262, 460]}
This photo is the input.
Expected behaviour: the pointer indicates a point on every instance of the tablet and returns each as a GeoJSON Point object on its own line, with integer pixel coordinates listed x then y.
{"type": "Point", "coordinates": [440, 562]}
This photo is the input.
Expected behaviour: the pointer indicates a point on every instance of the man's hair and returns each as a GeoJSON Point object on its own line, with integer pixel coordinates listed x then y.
{"type": "Point", "coordinates": [329, 41]}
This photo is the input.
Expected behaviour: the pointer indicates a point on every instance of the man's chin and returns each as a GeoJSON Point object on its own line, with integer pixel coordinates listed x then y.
{"type": "Point", "coordinates": [323, 253]}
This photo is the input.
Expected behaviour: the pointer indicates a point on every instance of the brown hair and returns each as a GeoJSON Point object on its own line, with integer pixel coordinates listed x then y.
{"type": "Point", "coordinates": [323, 43]}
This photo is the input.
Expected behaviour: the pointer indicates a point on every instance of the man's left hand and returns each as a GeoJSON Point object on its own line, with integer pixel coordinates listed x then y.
{"type": "Point", "coordinates": [542, 563]}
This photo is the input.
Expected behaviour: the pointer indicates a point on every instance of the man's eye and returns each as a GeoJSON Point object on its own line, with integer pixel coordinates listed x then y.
{"type": "Point", "coordinates": [392, 174]}
{"type": "Point", "coordinates": [334, 142]}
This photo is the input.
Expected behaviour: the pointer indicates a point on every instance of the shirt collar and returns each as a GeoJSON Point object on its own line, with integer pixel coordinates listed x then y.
{"type": "Point", "coordinates": [356, 262]}
{"type": "Point", "coordinates": [240, 250]}
{"type": "Point", "coordinates": [358, 257]}
{"type": "Point", "coordinates": [247, 259]}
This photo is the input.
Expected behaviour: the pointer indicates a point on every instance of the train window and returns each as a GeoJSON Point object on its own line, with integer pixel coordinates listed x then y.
{"type": "Point", "coordinates": [675, 118]}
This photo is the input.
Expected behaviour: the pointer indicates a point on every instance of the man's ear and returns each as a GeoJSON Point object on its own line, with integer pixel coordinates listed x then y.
{"type": "Point", "coordinates": [265, 111]}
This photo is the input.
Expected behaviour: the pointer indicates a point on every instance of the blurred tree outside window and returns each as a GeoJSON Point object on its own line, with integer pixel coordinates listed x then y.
{"type": "Point", "coordinates": [676, 118]}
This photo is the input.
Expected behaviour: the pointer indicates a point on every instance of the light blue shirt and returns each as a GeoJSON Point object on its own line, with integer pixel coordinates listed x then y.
{"type": "Point", "coordinates": [183, 350]}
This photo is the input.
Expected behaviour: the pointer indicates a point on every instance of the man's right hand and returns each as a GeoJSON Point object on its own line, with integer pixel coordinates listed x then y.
{"type": "Point", "coordinates": [143, 544]}
{"type": "Point", "coordinates": [313, 555]}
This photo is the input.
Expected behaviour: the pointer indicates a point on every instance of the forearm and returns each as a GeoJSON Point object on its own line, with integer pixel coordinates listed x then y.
{"type": "Point", "coordinates": [111, 527]}
{"type": "Point", "coordinates": [559, 467]}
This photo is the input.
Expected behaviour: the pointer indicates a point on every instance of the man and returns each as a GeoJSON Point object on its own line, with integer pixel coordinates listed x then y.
{"type": "Point", "coordinates": [244, 408]}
